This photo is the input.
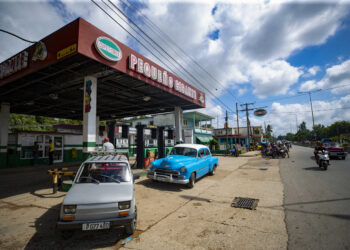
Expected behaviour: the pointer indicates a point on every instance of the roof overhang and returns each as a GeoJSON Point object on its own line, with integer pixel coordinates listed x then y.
{"type": "Point", "coordinates": [53, 86]}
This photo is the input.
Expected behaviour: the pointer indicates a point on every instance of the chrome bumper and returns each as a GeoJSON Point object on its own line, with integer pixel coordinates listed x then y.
{"type": "Point", "coordinates": [77, 224]}
{"type": "Point", "coordinates": [166, 178]}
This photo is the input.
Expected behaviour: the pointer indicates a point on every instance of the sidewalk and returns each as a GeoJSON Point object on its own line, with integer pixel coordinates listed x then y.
{"type": "Point", "coordinates": [202, 217]}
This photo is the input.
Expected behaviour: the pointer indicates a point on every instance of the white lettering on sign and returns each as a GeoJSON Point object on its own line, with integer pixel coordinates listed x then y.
{"type": "Point", "coordinates": [132, 61]}
{"type": "Point", "coordinates": [14, 64]}
{"type": "Point", "coordinates": [147, 69]}
{"type": "Point", "coordinates": [163, 77]}
{"type": "Point", "coordinates": [139, 65]}
{"type": "Point", "coordinates": [108, 49]}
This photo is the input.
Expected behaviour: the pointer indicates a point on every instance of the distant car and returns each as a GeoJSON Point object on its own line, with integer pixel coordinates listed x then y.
{"type": "Point", "coordinates": [326, 140]}
{"type": "Point", "coordinates": [185, 164]}
{"type": "Point", "coordinates": [101, 197]}
{"type": "Point", "coordinates": [335, 150]}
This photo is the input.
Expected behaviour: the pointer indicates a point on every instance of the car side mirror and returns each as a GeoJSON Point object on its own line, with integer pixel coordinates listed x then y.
{"type": "Point", "coordinates": [136, 176]}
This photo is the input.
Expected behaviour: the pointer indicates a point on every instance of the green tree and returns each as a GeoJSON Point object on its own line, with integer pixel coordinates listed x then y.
{"type": "Point", "coordinates": [268, 132]}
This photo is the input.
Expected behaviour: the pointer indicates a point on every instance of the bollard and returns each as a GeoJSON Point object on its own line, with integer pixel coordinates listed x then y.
{"type": "Point", "coordinates": [54, 183]}
{"type": "Point", "coordinates": [57, 177]}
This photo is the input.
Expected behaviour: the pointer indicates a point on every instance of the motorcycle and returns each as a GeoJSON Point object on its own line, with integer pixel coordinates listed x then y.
{"type": "Point", "coordinates": [323, 159]}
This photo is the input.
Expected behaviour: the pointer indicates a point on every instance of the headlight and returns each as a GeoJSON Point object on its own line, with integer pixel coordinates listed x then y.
{"type": "Point", "coordinates": [124, 205]}
{"type": "Point", "coordinates": [183, 169]}
{"type": "Point", "coordinates": [69, 209]}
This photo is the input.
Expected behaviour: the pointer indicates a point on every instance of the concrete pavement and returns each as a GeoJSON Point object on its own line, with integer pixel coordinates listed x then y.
{"type": "Point", "coordinates": [170, 216]}
{"type": "Point", "coordinates": [202, 218]}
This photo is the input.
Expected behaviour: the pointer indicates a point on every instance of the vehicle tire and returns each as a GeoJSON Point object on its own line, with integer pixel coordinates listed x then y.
{"type": "Point", "coordinates": [283, 155]}
{"type": "Point", "coordinates": [213, 170]}
{"type": "Point", "coordinates": [343, 158]}
{"type": "Point", "coordinates": [131, 228]}
{"type": "Point", "coordinates": [274, 155]}
{"type": "Point", "coordinates": [192, 180]}
{"type": "Point", "coordinates": [324, 165]}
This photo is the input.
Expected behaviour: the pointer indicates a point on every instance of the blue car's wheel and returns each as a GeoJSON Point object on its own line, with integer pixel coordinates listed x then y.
{"type": "Point", "coordinates": [212, 172]}
{"type": "Point", "coordinates": [192, 180]}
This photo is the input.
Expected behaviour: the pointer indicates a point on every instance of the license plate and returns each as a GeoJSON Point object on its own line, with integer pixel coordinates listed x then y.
{"type": "Point", "coordinates": [96, 226]}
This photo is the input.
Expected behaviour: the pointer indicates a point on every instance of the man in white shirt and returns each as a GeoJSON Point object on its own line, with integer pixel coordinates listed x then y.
{"type": "Point", "coordinates": [107, 146]}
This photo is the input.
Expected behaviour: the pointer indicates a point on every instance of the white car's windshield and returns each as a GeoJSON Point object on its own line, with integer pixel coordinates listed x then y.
{"type": "Point", "coordinates": [184, 151]}
{"type": "Point", "coordinates": [104, 173]}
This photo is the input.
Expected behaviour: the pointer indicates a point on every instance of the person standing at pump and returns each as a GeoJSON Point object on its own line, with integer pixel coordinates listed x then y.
{"type": "Point", "coordinates": [51, 149]}
{"type": "Point", "coordinates": [107, 146]}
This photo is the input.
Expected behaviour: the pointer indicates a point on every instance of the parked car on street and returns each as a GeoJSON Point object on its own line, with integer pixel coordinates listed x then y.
{"type": "Point", "coordinates": [335, 150]}
{"type": "Point", "coordinates": [101, 196]}
{"type": "Point", "coordinates": [185, 164]}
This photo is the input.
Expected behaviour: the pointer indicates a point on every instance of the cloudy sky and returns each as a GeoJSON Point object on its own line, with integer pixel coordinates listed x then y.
{"type": "Point", "coordinates": [261, 52]}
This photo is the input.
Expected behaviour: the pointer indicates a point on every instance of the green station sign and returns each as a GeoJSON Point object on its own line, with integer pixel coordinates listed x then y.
{"type": "Point", "coordinates": [108, 49]}
{"type": "Point", "coordinates": [260, 112]}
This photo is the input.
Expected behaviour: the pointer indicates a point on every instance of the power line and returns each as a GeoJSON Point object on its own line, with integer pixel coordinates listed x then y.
{"type": "Point", "coordinates": [173, 43]}
{"type": "Point", "coordinates": [306, 111]}
{"type": "Point", "coordinates": [12, 34]}
{"type": "Point", "coordinates": [302, 94]}
{"type": "Point", "coordinates": [157, 51]}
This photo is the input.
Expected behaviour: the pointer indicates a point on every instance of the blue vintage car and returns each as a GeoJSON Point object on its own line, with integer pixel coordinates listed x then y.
{"type": "Point", "coordinates": [185, 164]}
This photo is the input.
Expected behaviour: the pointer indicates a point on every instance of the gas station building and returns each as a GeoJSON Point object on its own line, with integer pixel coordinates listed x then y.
{"type": "Point", "coordinates": [79, 72]}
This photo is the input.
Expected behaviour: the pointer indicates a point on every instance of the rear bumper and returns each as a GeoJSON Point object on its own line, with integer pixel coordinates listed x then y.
{"type": "Point", "coordinates": [114, 222]}
{"type": "Point", "coordinates": [337, 154]}
{"type": "Point", "coordinates": [166, 178]}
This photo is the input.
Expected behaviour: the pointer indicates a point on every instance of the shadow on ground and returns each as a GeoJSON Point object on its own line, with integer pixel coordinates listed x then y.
{"type": "Point", "coordinates": [162, 186]}
{"type": "Point", "coordinates": [26, 180]}
{"type": "Point", "coordinates": [313, 169]}
{"type": "Point", "coordinates": [289, 207]}
{"type": "Point", "coordinates": [48, 237]}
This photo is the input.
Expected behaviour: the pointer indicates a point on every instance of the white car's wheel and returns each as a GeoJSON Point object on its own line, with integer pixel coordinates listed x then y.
{"type": "Point", "coordinates": [131, 228]}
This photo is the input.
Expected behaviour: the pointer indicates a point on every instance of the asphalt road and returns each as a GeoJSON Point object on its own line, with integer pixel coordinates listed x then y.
{"type": "Point", "coordinates": [317, 202]}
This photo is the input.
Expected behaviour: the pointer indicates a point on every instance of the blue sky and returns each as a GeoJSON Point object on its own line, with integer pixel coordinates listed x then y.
{"type": "Point", "coordinates": [259, 51]}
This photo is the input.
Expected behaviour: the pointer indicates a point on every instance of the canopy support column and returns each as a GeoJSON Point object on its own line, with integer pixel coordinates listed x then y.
{"type": "Point", "coordinates": [178, 124]}
{"type": "Point", "coordinates": [4, 128]}
{"type": "Point", "coordinates": [89, 115]}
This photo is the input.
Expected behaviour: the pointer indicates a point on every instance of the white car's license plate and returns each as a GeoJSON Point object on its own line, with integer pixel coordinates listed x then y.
{"type": "Point", "coordinates": [96, 226]}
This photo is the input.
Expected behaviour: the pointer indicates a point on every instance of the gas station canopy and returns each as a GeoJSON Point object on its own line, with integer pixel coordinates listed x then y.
{"type": "Point", "coordinates": [47, 78]}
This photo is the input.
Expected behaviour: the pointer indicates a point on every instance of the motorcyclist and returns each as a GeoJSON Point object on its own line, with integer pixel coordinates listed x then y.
{"type": "Point", "coordinates": [318, 147]}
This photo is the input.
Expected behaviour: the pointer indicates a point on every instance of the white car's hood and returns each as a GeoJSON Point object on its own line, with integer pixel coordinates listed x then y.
{"type": "Point", "coordinates": [91, 193]}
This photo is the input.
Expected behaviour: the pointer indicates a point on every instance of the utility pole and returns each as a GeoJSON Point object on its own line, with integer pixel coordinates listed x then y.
{"type": "Point", "coordinates": [226, 125]}
{"type": "Point", "coordinates": [312, 111]}
{"type": "Point", "coordinates": [247, 114]}
{"type": "Point", "coordinates": [237, 118]}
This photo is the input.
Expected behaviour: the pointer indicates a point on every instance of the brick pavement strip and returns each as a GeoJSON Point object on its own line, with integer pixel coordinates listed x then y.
{"type": "Point", "coordinates": [170, 216]}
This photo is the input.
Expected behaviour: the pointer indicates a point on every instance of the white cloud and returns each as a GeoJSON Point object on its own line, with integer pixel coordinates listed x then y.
{"type": "Point", "coordinates": [242, 91]}
{"type": "Point", "coordinates": [32, 21]}
{"type": "Point", "coordinates": [336, 77]}
{"type": "Point", "coordinates": [273, 78]}
{"type": "Point", "coordinates": [287, 27]}
{"type": "Point", "coordinates": [312, 71]}
{"type": "Point", "coordinates": [285, 118]}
